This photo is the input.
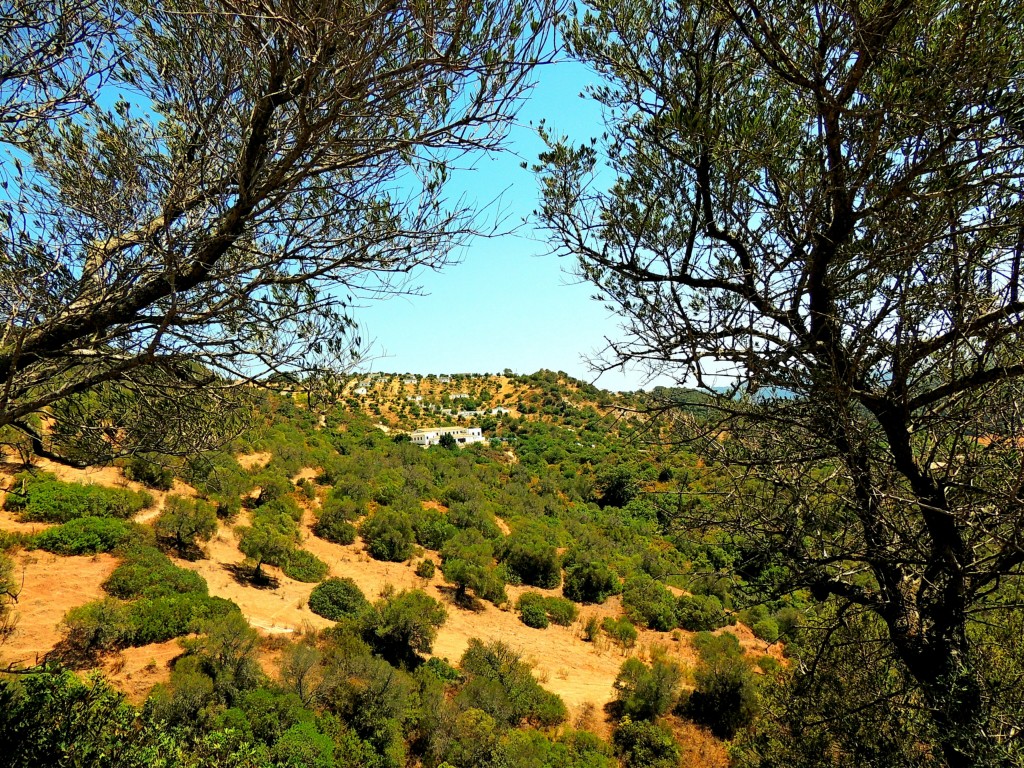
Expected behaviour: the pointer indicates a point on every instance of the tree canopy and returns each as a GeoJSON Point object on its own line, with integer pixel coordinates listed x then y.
{"type": "Point", "coordinates": [196, 192]}
{"type": "Point", "coordinates": [816, 206]}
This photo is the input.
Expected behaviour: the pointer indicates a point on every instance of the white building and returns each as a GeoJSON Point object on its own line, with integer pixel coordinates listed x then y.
{"type": "Point", "coordinates": [462, 435]}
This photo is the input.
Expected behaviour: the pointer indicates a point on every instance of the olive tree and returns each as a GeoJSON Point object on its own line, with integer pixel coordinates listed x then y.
{"type": "Point", "coordinates": [816, 207]}
{"type": "Point", "coordinates": [224, 181]}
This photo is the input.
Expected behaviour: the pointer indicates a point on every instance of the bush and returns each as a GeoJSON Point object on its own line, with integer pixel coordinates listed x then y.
{"type": "Point", "coordinates": [426, 568]}
{"type": "Point", "coordinates": [725, 693]}
{"type": "Point", "coordinates": [433, 530]}
{"type": "Point", "coordinates": [700, 613]}
{"type": "Point", "coordinates": [85, 536]}
{"type": "Point", "coordinates": [561, 611]}
{"type": "Point", "coordinates": [148, 572]}
{"type": "Point", "coordinates": [767, 630]}
{"type": "Point", "coordinates": [337, 599]}
{"type": "Point", "coordinates": [648, 601]}
{"type": "Point", "coordinates": [536, 610]}
{"type": "Point", "coordinates": [388, 535]}
{"type": "Point", "coordinates": [150, 473]}
{"type": "Point", "coordinates": [108, 624]}
{"type": "Point", "coordinates": [532, 611]}
{"type": "Point", "coordinates": [334, 526]}
{"type": "Point", "coordinates": [183, 522]}
{"type": "Point", "coordinates": [42, 498]}
{"type": "Point", "coordinates": [647, 692]}
{"type": "Point", "coordinates": [589, 581]}
{"type": "Point", "coordinates": [467, 561]}
{"type": "Point", "coordinates": [532, 557]}
{"type": "Point", "coordinates": [402, 626]}
{"type": "Point", "coordinates": [502, 685]}
{"type": "Point", "coordinates": [304, 566]}
{"type": "Point", "coordinates": [643, 744]}
{"type": "Point", "coordinates": [621, 631]}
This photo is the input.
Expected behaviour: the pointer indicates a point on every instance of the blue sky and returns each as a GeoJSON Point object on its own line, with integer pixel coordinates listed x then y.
{"type": "Point", "coordinates": [508, 303]}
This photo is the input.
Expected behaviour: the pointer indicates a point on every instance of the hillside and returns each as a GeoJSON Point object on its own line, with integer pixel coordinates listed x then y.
{"type": "Point", "coordinates": [556, 479]}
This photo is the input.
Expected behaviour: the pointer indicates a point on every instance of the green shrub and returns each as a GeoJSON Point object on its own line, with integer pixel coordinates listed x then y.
{"type": "Point", "coordinates": [501, 684]}
{"type": "Point", "coordinates": [647, 692]}
{"type": "Point", "coordinates": [42, 498]}
{"type": "Point", "coordinates": [648, 601]}
{"type": "Point", "coordinates": [183, 522]}
{"type": "Point", "coordinates": [388, 535]}
{"type": "Point", "coordinates": [433, 530]}
{"type": "Point", "coordinates": [304, 566]}
{"type": "Point", "coordinates": [529, 553]}
{"type": "Point", "coordinates": [402, 626]}
{"type": "Point", "coordinates": [532, 611]}
{"type": "Point", "coordinates": [163, 618]}
{"type": "Point", "coordinates": [85, 536]}
{"type": "Point", "coordinates": [589, 581]}
{"type": "Point", "coordinates": [109, 624]}
{"type": "Point", "coordinates": [621, 631]}
{"type": "Point", "coordinates": [725, 692]}
{"type": "Point", "coordinates": [148, 572]}
{"type": "Point", "coordinates": [334, 526]}
{"type": "Point", "coordinates": [591, 629]}
{"type": "Point", "coordinates": [337, 599]}
{"type": "Point", "coordinates": [700, 613]}
{"type": "Point", "coordinates": [767, 630]}
{"type": "Point", "coordinates": [150, 473]}
{"type": "Point", "coordinates": [561, 611]}
{"type": "Point", "coordinates": [426, 568]}
{"type": "Point", "coordinates": [643, 744]}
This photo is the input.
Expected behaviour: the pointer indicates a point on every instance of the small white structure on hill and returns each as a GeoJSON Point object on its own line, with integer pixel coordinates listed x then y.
{"type": "Point", "coordinates": [462, 435]}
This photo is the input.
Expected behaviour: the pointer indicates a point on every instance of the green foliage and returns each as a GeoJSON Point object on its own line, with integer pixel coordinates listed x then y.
{"type": "Point", "coordinates": [649, 602]}
{"type": "Point", "coordinates": [86, 536]}
{"type": "Point", "coordinates": [561, 611]}
{"type": "Point", "coordinates": [618, 485]}
{"type": "Point", "coordinates": [43, 498]}
{"type": "Point", "coordinates": [57, 719]}
{"type": "Point", "coordinates": [700, 613]}
{"type": "Point", "coordinates": [532, 611]}
{"type": "Point", "coordinates": [388, 535]}
{"type": "Point", "coordinates": [337, 598]}
{"type": "Point", "coordinates": [334, 525]}
{"type": "Point", "coordinates": [304, 566]}
{"type": "Point", "coordinates": [766, 629]}
{"type": "Point", "coordinates": [536, 610]}
{"type": "Point", "coordinates": [432, 528]}
{"type": "Point", "coordinates": [303, 746]}
{"type": "Point", "coordinates": [725, 697]}
{"type": "Point", "coordinates": [467, 561]}
{"type": "Point", "coordinates": [402, 626]}
{"type": "Point", "coordinates": [148, 572]}
{"type": "Point", "coordinates": [621, 631]}
{"type": "Point", "coordinates": [500, 683]}
{"type": "Point", "coordinates": [265, 543]}
{"type": "Point", "coordinates": [108, 624]}
{"type": "Point", "coordinates": [589, 581]}
{"type": "Point", "coordinates": [646, 692]}
{"type": "Point", "coordinates": [425, 568]}
{"type": "Point", "coordinates": [149, 472]}
{"type": "Point", "coordinates": [184, 521]}
{"type": "Point", "coordinates": [643, 744]}
{"type": "Point", "coordinates": [529, 553]}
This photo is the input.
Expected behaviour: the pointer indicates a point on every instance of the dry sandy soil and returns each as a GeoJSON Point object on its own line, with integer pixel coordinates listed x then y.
{"type": "Point", "coordinates": [50, 587]}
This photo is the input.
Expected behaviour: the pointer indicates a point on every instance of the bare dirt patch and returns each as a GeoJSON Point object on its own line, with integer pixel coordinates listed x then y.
{"type": "Point", "coordinates": [257, 459]}
{"type": "Point", "coordinates": [50, 587]}
{"type": "Point", "coordinates": [136, 670]}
